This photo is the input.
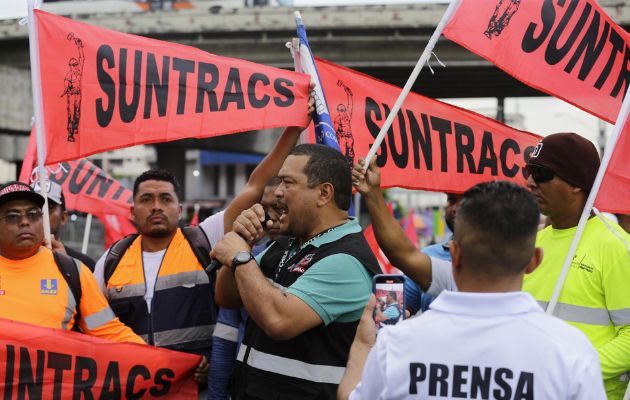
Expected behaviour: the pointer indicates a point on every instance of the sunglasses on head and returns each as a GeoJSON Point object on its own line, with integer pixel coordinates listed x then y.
{"type": "Point", "coordinates": [539, 173]}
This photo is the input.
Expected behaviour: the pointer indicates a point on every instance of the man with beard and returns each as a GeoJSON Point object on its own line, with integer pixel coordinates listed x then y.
{"type": "Point", "coordinates": [301, 324]}
{"type": "Point", "coordinates": [158, 286]}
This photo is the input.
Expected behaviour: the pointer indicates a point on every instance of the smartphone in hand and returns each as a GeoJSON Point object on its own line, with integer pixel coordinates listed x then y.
{"type": "Point", "coordinates": [390, 300]}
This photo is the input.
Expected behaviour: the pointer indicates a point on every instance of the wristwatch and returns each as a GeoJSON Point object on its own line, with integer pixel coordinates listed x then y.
{"type": "Point", "coordinates": [242, 257]}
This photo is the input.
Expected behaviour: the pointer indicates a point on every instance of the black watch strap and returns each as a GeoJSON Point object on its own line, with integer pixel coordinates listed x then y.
{"type": "Point", "coordinates": [242, 257]}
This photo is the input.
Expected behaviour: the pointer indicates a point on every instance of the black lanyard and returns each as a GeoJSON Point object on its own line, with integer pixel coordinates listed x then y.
{"type": "Point", "coordinates": [285, 256]}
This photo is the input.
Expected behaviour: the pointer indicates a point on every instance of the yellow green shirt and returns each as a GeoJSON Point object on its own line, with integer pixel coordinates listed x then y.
{"type": "Point", "coordinates": [596, 294]}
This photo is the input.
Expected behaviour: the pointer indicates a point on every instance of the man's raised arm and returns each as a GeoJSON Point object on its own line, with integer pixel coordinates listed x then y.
{"type": "Point", "coordinates": [389, 234]}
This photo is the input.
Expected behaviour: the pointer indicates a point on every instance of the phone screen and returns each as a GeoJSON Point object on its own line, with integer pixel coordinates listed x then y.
{"type": "Point", "coordinates": [390, 305]}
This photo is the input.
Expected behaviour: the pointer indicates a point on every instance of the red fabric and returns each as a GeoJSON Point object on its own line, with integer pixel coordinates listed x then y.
{"type": "Point", "coordinates": [104, 90]}
{"type": "Point", "coordinates": [29, 161]}
{"type": "Point", "coordinates": [85, 186]}
{"type": "Point", "coordinates": [614, 193]}
{"type": "Point", "coordinates": [73, 363]}
{"type": "Point", "coordinates": [434, 146]}
{"type": "Point", "coordinates": [194, 221]}
{"type": "Point", "coordinates": [383, 262]}
{"type": "Point", "coordinates": [410, 228]}
{"type": "Point", "coordinates": [116, 228]}
{"type": "Point", "coordinates": [559, 55]}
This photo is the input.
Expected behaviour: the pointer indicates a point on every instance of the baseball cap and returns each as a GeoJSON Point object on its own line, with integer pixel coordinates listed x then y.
{"type": "Point", "coordinates": [53, 192]}
{"type": "Point", "coordinates": [570, 156]}
{"type": "Point", "coordinates": [15, 190]}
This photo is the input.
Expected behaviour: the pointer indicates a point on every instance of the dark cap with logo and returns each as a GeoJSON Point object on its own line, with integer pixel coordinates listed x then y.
{"type": "Point", "coordinates": [570, 156]}
{"type": "Point", "coordinates": [15, 190]}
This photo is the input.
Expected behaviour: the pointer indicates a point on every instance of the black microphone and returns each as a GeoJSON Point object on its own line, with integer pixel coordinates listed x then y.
{"type": "Point", "coordinates": [215, 264]}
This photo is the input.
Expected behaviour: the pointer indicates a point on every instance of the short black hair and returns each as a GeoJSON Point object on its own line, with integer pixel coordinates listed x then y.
{"type": "Point", "coordinates": [326, 164]}
{"type": "Point", "coordinates": [393, 295]}
{"type": "Point", "coordinates": [157, 174]}
{"type": "Point", "coordinates": [496, 228]}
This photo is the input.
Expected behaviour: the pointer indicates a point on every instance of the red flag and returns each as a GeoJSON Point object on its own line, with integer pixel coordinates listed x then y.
{"type": "Point", "coordinates": [431, 145]}
{"type": "Point", "coordinates": [194, 221]}
{"type": "Point", "coordinates": [104, 90]}
{"type": "Point", "coordinates": [571, 50]}
{"type": "Point", "coordinates": [410, 228]}
{"type": "Point", "coordinates": [116, 228]}
{"type": "Point", "coordinates": [85, 186]}
{"type": "Point", "coordinates": [51, 363]}
{"type": "Point", "coordinates": [383, 262]}
{"type": "Point", "coordinates": [614, 192]}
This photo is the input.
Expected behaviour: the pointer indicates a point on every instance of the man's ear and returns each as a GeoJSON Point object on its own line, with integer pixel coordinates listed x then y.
{"type": "Point", "coordinates": [326, 193]}
{"type": "Point", "coordinates": [535, 260]}
{"type": "Point", "coordinates": [456, 255]}
{"type": "Point", "coordinates": [64, 217]}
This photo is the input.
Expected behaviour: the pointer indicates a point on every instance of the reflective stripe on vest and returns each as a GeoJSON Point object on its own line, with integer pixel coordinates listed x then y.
{"type": "Point", "coordinates": [100, 318]}
{"type": "Point", "coordinates": [183, 335]}
{"type": "Point", "coordinates": [620, 317]}
{"type": "Point", "coordinates": [584, 315]}
{"type": "Point", "coordinates": [289, 367]}
{"type": "Point", "coordinates": [123, 292]}
{"type": "Point", "coordinates": [226, 332]}
{"type": "Point", "coordinates": [70, 309]}
{"type": "Point", "coordinates": [184, 279]}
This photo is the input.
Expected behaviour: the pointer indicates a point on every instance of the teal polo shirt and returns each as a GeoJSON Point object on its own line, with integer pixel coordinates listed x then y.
{"type": "Point", "coordinates": [336, 287]}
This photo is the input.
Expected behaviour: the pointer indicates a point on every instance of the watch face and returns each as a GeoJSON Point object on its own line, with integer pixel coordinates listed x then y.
{"type": "Point", "coordinates": [243, 257]}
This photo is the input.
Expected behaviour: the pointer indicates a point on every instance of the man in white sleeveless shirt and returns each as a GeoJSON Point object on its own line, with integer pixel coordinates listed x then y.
{"type": "Point", "coordinates": [489, 340]}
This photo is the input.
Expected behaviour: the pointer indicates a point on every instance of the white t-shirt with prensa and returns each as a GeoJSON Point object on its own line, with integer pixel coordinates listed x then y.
{"type": "Point", "coordinates": [482, 345]}
{"type": "Point", "coordinates": [212, 227]}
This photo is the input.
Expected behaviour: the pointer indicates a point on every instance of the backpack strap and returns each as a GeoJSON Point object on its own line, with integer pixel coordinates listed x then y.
{"type": "Point", "coordinates": [200, 245]}
{"type": "Point", "coordinates": [115, 254]}
{"type": "Point", "coordinates": [69, 268]}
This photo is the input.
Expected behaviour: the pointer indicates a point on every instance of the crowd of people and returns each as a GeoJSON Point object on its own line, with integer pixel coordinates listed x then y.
{"type": "Point", "coordinates": [290, 314]}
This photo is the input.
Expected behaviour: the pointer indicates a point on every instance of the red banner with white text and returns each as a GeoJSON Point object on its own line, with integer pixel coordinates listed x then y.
{"type": "Point", "coordinates": [85, 186]}
{"type": "Point", "coordinates": [431, 145]}
{"type": "Point", "coordinates": [44, 363]}
{"type": "Point", "coordinates": [103, 90]}
{"type": "Point", "coordinates": [569, 49]}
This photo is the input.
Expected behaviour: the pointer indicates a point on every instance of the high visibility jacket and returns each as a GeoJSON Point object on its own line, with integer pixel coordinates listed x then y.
{"type": "Point", "coordinates": [310, 365]}
{"type": "Point", "coordinates": [596, 295]}
{"type": "Point", "coordinates": [183, 313]}
{"type": "Point", "coordinates": [33, 290]}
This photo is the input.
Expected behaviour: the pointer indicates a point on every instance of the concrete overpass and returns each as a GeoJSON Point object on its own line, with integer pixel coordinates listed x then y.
{"type": "Point", "coordinates": [383, 41]}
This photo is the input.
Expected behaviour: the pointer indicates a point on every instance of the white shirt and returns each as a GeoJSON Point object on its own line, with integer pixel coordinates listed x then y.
{"type": "Point", "coordinates": [212, 227]}
{"type": "Point", "coordinates": [441, 277]}
{"type": "Point", "coordinates": [482, 345]}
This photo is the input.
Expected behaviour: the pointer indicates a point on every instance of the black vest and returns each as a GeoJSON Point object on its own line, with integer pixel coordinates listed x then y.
{"type": "Point", "coordinates": [326, 346]}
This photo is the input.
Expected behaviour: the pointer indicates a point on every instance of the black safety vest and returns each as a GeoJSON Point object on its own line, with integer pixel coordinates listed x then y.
{"type": "Point", "coordinates": [322, 346]}
{"type": "Point", "coordinates": [183, 312]}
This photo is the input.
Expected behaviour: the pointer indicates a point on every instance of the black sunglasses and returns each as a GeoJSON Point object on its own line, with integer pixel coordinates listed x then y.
{"type": "Point", "coordinates": [539, 173]}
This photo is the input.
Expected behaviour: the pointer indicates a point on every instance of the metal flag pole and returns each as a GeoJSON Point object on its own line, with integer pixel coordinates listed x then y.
{"type": "Point", "coordinates": [86, 233]}
{"type": "Point", "coordinates": [412, 78]}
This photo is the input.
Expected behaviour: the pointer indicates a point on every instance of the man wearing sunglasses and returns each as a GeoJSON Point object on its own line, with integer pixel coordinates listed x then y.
{"type": "Point", "coordinates": [595, 297]}
{"type": "Point", "coordinates": [32, 288]}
